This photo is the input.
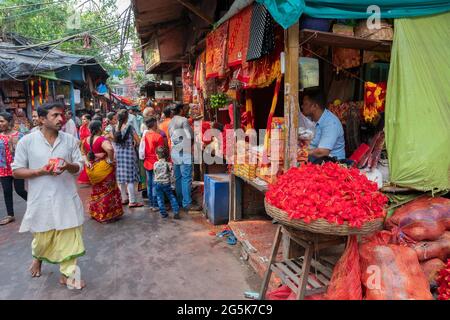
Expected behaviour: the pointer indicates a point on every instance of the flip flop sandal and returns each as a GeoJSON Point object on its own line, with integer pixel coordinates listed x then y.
{"type": "Point", "coordinates": [232, 240]}
{"type": "Point", "coordinates": [135, 205]}
{"type": "Point", "coordinates": [6, 220]}
{"type": "Point", "coordinates": [224, 233]}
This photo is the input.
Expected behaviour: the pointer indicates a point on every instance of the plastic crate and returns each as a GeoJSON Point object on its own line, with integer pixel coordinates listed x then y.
{"type": "Point", "coordinates": [216, 198]}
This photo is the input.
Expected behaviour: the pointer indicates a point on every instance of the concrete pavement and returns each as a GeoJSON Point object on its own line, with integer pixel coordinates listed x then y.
{"type": "Point", "coordinates": [140, 256]}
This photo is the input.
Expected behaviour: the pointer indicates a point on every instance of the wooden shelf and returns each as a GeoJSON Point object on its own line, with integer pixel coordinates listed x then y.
{"type": "Point", "coordinates": [258, 187]}
{"type": "Point", "coordinates": [337, 40]}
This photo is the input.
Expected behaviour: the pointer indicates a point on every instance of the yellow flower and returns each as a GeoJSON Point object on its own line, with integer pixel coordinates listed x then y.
{"type": "Point", "coordinates": [377, 92]}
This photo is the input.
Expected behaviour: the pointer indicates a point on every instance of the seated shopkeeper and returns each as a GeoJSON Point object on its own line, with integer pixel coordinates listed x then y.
{"type": "Point", "coordinates": [328, 143]}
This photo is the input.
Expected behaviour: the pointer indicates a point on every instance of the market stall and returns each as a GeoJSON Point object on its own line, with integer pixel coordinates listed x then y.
{"type": "Point", "coordinates": [250, 74]}
{"type": "Point", "coordinates": [350, 64]}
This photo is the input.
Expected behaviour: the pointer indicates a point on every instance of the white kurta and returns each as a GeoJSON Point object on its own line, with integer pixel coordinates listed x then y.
{"type": "Point", "coordinates": [53, 201]}
{"type": "Point", "coordinates": [71, 128]}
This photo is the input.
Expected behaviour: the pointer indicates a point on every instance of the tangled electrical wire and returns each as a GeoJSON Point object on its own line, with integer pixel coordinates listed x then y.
{"type": "Point", "coordinates": [103, 37]}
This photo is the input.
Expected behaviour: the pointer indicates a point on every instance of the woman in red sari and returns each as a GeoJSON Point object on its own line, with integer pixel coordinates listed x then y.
{"type": "Point", "coordinates": [105, 202]}
{"type": "Point", "coordinates": [84, 133]}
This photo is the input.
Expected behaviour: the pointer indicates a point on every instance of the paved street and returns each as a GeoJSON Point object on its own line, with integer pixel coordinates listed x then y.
{"type": "Point", "coordinates": [139, 257]}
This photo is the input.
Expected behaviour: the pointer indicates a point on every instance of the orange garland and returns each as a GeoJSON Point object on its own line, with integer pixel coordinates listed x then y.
{"type": "Point", "coordinates": [374, 100]}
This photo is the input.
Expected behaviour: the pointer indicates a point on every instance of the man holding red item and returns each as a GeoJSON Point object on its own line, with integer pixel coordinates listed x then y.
{"type": "Point", "coordinates": [50, 159]}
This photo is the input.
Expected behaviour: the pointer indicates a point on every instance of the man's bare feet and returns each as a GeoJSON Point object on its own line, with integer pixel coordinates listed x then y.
{"type": "Point", "coordinates": [72, 283]}
{"type": "Point", "coordinates": [35, 268]}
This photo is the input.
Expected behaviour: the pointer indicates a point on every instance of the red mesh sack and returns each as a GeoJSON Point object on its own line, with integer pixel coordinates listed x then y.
{"type": "Point", "coordinates": [422, 219]}
{"type": "Point", "coordinates": [319, 296]}
{"type": "Point", "coordinates": [444, 282]}
{"type": "Point", "coordinates": [431, 269]}
{"type": "Point", "coordinates": [281, 293]}
{"type": "Point", "coordinates": [345, 282]}
{"type": "Point", "coordinates": [391, 272]}
{"type": "Point", "coordinates": [285, 293]}
{"type": "Point", "coordinates": [433, 249]}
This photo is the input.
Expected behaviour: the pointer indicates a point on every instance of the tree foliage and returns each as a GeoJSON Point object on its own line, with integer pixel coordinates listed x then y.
{"type": "Point", "coordinates": [47, 20]}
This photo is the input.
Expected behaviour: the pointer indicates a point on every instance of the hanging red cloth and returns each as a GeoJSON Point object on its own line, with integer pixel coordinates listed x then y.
{"type": "Point", "coordinates": [238, 37]}
{"type": "Point", "coordinates": [263, 72]}
{"type": "Point", "coordinates": [216, 52]}
{"type": "Point", "coordinates": [186, 75]}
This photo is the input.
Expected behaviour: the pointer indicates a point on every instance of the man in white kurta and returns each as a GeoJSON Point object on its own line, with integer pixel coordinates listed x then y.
{"type": "Point", "coordinates": [54, 212]}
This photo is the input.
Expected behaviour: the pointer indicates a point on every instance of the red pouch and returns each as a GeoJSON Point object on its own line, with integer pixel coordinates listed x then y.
{"type": "Point", "coordinates": [54, 164]}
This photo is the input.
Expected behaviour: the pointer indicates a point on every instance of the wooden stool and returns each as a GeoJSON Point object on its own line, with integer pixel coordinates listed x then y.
{"type": "Point", "coordinates": [295, 273]}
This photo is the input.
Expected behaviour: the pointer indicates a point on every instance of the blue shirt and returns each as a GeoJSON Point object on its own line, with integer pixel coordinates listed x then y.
{"type": "Point", "coordinates": [330, 135]}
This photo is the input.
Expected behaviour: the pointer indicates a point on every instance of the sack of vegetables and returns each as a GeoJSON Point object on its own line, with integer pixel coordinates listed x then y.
{"type": "Point", "coordinates": [328, 199]}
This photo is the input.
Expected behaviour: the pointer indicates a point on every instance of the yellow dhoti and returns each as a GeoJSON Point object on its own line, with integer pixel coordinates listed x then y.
{"type": "Point", "coordinates": [61, 247]}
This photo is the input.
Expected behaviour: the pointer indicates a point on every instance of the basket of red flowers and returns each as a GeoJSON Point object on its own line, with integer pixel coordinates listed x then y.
{"type": "Point", "coordinates": [327, 199]}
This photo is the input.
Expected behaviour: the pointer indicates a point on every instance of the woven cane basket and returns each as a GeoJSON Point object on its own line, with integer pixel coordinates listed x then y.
{"type": "Point", "coordinates": [322, 226]}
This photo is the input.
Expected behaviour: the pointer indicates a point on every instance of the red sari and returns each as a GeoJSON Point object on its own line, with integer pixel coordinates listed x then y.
{"type": "Point", "coordinates": [105, 202]}
{"type": "Point", "coordinates": [84, 134]}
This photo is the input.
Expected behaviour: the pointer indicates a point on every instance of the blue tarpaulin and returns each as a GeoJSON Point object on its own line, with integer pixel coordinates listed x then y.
{"type": "Point", "coordinates": [288, 12]}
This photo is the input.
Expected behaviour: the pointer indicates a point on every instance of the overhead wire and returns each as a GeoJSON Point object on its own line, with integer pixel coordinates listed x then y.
{"type": "Point", "coordinates": [79, 36]}
{"type": "Point", "coordinates": [120, 20]}
{"type": "Point", "coordinates": [51, 42]}
{"type": "Point", "coordinates": [14, 17]}
{"type": "Point", "coordinates": [35, 67]}
{"type": "Point", "coordinates": [31, 4]}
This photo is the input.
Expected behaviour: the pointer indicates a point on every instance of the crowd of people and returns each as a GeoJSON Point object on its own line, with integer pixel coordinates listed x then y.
{"type": "Point", "coordinates": [125, 156]}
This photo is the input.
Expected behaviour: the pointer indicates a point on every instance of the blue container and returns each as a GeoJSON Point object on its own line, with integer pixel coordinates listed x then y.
{"type": "Point", "coordinates": [216, 197]}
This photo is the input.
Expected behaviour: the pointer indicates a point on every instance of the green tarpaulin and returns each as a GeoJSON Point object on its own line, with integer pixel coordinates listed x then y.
{"type": "Point", "coordinates": [51, 75]}
{"type": "Point", "coordinates": [288, 12]}
{"type": "Point", "coordinates": [418, 103]}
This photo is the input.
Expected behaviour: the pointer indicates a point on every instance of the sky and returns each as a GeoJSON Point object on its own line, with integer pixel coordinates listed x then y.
{"type": "Point", "coordinates": [122, 4]}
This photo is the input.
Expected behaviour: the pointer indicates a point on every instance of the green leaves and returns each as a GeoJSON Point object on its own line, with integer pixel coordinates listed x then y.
{"type": "Point", "coordinates": [218, 100]}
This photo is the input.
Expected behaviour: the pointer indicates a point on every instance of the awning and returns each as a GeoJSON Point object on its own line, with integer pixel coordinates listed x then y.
{"type": "Point", "coordinates": [288, 12]}
{"type": "Point", "coordinates": [124, 100]}
{"type": "Point", "coordinates": [51, 75]}
{"type": "Point", "coordinates": [21, 58]}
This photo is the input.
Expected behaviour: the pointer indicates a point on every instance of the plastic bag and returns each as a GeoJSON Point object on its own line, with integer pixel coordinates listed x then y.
{"type": "Point", "coordinates": [433, 249]}
{"type": "Point", "coordinates": [431, 269]}
{"type": "Point", "coordinates": [307, 127]}
{"type": "Point", "coordinates": [425, 218]}
{"type": "Point", "coordinates": [391, 272]}
{"type": "Point", "coordinates": [345, 282]}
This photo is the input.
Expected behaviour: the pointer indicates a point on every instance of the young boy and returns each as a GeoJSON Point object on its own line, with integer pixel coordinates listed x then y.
{"type": "Point", "coordinates": [162, 174]}
{"type": "Point", "coordinates": [147, 152]}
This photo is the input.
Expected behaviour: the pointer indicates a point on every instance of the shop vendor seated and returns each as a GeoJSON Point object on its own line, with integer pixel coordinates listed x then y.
{"type": "Point", "coordinates": [328, 143]}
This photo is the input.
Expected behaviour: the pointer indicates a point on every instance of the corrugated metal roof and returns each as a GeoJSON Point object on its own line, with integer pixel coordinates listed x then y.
{"type": "Point", "coordinates": [18, 59]}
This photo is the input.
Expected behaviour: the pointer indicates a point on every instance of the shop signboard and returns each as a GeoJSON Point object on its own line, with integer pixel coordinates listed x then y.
{"type": "Point", "coordinates": [163, 95]}
{"type": "Point", "coordinates": [77, 96]}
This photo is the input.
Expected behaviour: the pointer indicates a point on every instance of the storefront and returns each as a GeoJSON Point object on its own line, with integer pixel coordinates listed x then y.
{"type": "Point", "coordinates": [28, 80]}
{"type": "Point", "coordinates": [255, 68]}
